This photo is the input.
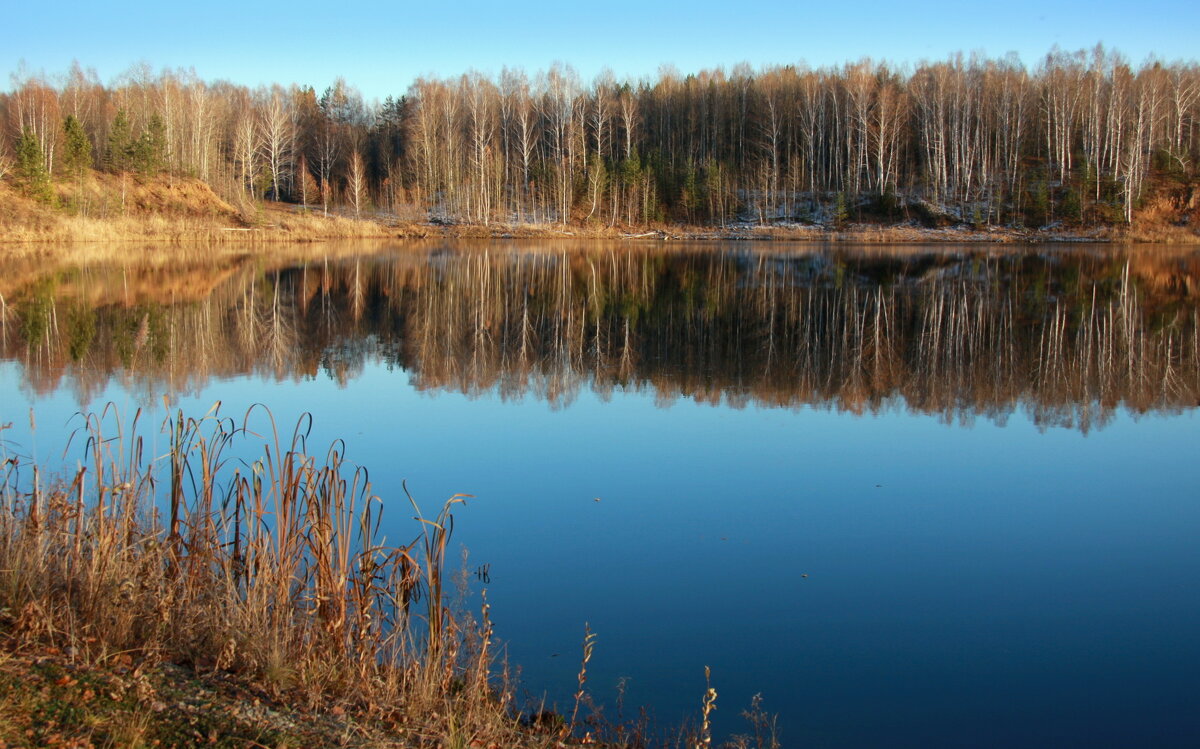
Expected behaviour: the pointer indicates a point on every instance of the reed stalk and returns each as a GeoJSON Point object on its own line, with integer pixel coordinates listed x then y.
{"type": "Point", "coordinates": [269, 563]}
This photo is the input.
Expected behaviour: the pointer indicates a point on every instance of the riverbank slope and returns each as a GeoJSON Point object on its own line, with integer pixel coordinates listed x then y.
{"type": "Point", "coordinates": [101, 207]}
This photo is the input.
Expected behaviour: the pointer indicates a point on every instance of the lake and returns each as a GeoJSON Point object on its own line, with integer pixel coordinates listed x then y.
{"type": "Point", "coordinates": [910, 495]}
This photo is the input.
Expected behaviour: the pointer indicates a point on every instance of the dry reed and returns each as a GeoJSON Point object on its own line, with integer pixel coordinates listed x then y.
{"type": "Point", "coordinates": [270, 566]}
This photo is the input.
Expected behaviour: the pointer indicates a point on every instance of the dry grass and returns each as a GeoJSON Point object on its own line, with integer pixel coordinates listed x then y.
{"type": "Point", "coordinates": [173, 228]}
{"type": "Point", "coordinates": [290, 225]}
{"type": "Point", "coordinates": [272, 569]}
{"type": "Point", "coordinates": [136, 208]}
{"type": "Point", "coordinates": [147, 598]}
{"type": "Point", "coordinates": [107, 208]}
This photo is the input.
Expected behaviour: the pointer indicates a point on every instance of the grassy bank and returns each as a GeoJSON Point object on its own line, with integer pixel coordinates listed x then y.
{"type": "Point", "coordinates": [128, 593]}
{"type": "Point", "coordinates": [101, 207]}
{"type": "Point", "coordinates": [52, 699]}
{"type": "Point", "coordinates": [104, 207]}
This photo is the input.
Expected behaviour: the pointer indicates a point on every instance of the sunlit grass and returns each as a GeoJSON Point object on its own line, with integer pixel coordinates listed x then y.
{"type": "Point", "coordinates": [237, 550]}
{"type": "Point", "coordinates": [270, 566]}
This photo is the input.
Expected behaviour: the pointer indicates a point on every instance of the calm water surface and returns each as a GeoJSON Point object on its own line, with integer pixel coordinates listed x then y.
{"type": "Point", "coordinates": [912, 496]}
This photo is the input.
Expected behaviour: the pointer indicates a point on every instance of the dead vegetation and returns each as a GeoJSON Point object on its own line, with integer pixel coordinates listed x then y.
{"type": "Point", "coordinates": [271, 571]}
{"type": "Point", "coordinates": [122, 208]}
{"type": "Point", "coordinates": [1169, 214]}
{"type": "Point", "coordinates": [103, 207]}
{"type": "Point", "coordinates": [210, 596]}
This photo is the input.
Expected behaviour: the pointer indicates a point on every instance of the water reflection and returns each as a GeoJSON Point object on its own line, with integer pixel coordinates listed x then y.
{"type": "Point", "coordinates": [1067, 334]}
{"type": "Point", "coordinates": [950, 570]}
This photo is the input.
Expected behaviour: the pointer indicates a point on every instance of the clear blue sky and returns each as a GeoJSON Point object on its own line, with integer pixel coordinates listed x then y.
{"type": "Point", "coordinates": [382, 46]}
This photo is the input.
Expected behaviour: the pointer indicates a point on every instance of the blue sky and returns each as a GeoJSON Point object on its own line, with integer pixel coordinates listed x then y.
{"type": "Point", "coordinates": [382, 46]}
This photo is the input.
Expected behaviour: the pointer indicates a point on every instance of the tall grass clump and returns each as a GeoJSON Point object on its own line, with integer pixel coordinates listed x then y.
{"type": "Point", "coordinates": [271, 566]}
{"type": "Point", "coordinates": [235, 550]}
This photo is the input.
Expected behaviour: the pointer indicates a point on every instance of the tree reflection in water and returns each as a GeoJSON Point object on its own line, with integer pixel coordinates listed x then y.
{"type": "Point", "coordinates": [1069, 335]}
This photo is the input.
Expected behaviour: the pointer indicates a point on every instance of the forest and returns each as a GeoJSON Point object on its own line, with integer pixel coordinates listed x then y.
{"type": "Point", "coordinates": [1080, 139]}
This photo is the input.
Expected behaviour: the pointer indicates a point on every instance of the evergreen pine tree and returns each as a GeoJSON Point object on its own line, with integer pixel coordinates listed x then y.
{"type": "Point", "coordinates": [714, 190]}
{"type": "Point", "coordinates": [150, 149]}
{"type": "Point", "coordinates": [31, 168]}
{"type": "Point", "coordinates": [120, 144]}
{"type": "Point", "coordinates": [77, 156]}
{"type": "Point", "coordinates": [841, 213]}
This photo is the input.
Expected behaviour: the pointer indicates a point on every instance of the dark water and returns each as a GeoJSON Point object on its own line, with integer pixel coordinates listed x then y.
{"type": "Point", "coordinates": [912, 496]}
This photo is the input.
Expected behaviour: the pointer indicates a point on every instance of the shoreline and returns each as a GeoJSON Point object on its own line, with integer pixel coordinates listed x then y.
{"type": "Point", "coordinates": [851, 232]}
{"type": "Point", "coordinates": [302, 228]}
{"type": "Point", "coordinates": [121, 209]}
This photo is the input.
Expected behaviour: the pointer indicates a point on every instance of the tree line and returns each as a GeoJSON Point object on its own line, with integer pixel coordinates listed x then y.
{"type": "Point", "coordinates": [974, 139]}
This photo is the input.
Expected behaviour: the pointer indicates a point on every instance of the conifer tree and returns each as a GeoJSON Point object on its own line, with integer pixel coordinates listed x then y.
{"type": "Point", "coordinates": [149, 153]}
{"type": "Point", "coordinates": [120, 144]}
{"type": "Point", "coordinates": [77, 156]}
{"type": "Point", "coordinates": [841, 212]}
{"type": "Point", "coordinates": [31, 168]}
